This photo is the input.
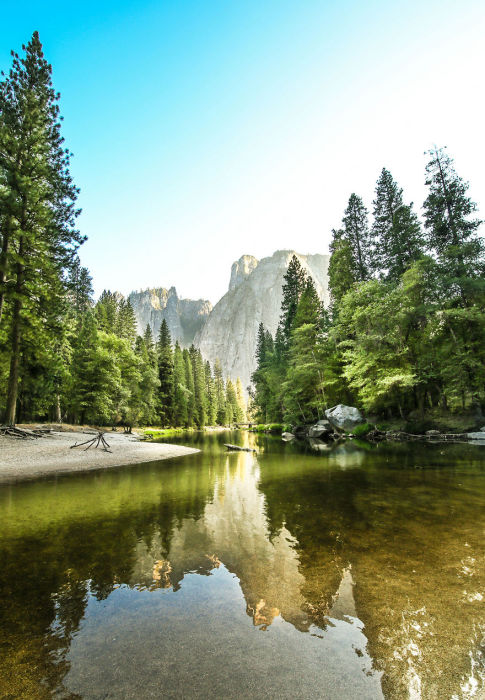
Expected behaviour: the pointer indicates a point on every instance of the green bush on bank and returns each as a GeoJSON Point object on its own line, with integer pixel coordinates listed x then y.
{"type": "Point", "coordinates": [273, 428]}
{"type": "Point", "coordinates": [362, 430]}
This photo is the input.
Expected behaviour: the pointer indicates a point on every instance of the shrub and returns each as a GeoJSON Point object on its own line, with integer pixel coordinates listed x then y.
{"type": "Point", "coordinates": [276, 428]}
{"type": "Point", "coordinates": [362, 429]}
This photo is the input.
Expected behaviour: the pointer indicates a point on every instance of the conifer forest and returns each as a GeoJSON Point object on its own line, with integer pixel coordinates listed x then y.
{"type": "Point", "coordinates": [404, 333]}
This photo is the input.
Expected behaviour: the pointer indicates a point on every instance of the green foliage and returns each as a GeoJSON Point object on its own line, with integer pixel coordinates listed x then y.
{"type": "Point", "coordinates": [407, 339]}
{"type": "Point", "coordinates": [37, 218]}
{"type": "Point", "coordinates": [362, 430]}
{"type": "Point", "coordinates": [398, 239]}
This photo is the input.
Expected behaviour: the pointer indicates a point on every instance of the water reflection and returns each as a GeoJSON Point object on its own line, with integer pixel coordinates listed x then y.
{"type": "Point", "coordinates": [366, 573]}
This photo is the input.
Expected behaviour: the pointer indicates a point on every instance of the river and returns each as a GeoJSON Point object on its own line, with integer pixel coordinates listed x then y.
{"type": "Point", "coordinates": [357, 572]}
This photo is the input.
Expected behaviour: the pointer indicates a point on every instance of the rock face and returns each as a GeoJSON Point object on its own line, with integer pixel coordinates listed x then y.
{"type": "Point", "coordinates": [344, 417]}
{"type": "Point", "coordinates": [254, 296]}
{"type": "Point", "coordinates": [241, 269]}
{"type": "Point", "coordinates": [184, 317]}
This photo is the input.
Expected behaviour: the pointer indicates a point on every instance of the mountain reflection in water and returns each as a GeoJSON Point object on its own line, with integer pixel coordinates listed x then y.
{"type": "Point", "coordinates": [354, 573]}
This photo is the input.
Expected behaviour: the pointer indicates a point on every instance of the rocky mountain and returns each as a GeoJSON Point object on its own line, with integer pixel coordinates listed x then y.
{"type": "Point", "coordinates": [254, 295]}
{"type": "Point", "coordinates": [185, 317]}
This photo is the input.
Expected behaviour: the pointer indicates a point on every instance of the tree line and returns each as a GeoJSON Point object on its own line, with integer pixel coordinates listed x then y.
{"type": "Point", "coordinates": [61, 355]}
{"type": "Point", "coordinates": [405, 331]}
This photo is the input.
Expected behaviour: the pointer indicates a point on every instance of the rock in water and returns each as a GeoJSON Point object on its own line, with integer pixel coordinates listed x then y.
{"type": "Point", "coordinates": [185, 317]}
{"type": "Point", "coordinates": [254, 296]}
{"type": "Point", "coordinates": [344, 417]}
{"type": "Point", "coordinates": [321, 428]}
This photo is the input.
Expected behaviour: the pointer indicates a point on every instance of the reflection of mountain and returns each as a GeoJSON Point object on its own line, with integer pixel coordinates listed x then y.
{"type": "Point", "coordinates": [233, 530]}
{"type": "Point", "coordinates": [311, 541]}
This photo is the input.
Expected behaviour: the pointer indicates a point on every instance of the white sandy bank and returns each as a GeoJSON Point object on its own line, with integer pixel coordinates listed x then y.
{"type": "Point", "coordinates": [27, 459]}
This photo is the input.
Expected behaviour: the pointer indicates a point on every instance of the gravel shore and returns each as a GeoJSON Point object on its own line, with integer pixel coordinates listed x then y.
{"type": "Point", "coordinates": [27, 459]}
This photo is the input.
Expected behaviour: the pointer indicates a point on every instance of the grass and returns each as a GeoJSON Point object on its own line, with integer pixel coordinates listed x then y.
{"type": "Point", "coordinates": [157, 433]}
{"type": "Point", "coordinates": [273, 428]}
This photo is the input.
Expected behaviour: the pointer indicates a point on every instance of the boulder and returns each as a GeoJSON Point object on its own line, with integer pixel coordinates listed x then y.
{"type": "Point", "coordinates": [287, 436]}
{"type": "Point", "coordinates": [344, 417]}
{"type": "Point", "coordinates": [482, 429]}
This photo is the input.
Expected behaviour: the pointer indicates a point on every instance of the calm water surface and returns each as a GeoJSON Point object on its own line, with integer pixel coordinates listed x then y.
{"type": "Point", "coordinates": [354, 573]}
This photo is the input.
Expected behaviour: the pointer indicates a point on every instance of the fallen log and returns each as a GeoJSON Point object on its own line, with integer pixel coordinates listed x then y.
{"type": "Point", "coordinates": [13, 431]}
{"type": "Point", "coordinates": [237, 447]}
{"type": "Point", "coordinates": [98, 439]}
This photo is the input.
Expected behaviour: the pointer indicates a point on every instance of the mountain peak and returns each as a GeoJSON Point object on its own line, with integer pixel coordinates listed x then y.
{"type": "Point", "coordinates": [241, 269]}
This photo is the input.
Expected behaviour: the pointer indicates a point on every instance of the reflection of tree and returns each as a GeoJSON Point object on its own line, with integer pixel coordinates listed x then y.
{"type": "Point", "coordinates": [47, 577]}
{"type": "Point", "coordinates": [414, 540]}
{"type": "Point", "coordinates": [297, 539]}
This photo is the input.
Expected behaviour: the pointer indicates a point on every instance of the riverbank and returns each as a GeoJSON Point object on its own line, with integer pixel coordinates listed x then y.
{"type": "Point", "coordinates": [28, 459]}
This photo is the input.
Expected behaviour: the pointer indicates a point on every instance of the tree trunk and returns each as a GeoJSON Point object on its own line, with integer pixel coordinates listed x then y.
{"type": "Point", "coordinates": [3, 268]}
{"type": "Point", "coordinates": [58, 409]}
{"type": "Point", "coordinates": [13, 379]}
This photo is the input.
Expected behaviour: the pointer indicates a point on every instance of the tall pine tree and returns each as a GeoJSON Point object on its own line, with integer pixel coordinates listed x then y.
{"type": "Point", "coordinates": [397, 235]}
{"type": "Point", "coordinates": [37, 202]}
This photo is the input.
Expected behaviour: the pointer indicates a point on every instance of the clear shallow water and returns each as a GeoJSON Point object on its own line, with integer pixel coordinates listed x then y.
{"type": "Point", "coordinates": [357, 573]}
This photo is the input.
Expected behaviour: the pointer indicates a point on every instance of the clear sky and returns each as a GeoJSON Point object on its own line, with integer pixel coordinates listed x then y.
{"type": "Point", "coordinates": [207, 130]}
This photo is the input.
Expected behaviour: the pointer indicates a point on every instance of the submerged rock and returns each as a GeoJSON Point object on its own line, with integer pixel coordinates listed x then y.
{"type": "Point", "coordinates": [344, 417]}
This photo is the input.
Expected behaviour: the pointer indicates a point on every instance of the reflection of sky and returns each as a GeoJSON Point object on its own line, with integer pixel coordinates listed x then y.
{"type": "Point", "coordinates": [243, 127]}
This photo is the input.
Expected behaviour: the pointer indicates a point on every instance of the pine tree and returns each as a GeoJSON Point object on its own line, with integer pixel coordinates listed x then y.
{"type": "Point", "coordinates": [309, 308]}
{"type": "Point", "coordinates": [261, 346]}
{"type": "Point", "coordinates": [342, 272]}
{"type": "Point", "coordinates": [84, 396]}
{"type": "Point", "coordinates": [200, 396]}
{"type": "Point", "coordinates": [398, 239]}
{"type": "Point", "coordinates": [303, 394]}
{"type": "Point", "coordinates": [451, 231]}
{"type": "Point", "coordinates": [126, 321]}
{"type": "Point", "coordinates": [107, 312]}
{"type": "Point", "coordinates": [211, 395]}
{"type": "Point", "coordinates": [150, 345]}
{"type": "Point", "coordinates": [166, 392]}
{"type": "Point", "coordinates": [37, 201]}
{"type": "Point", "coordinates": [189, 383]}
{"type": "Point", "coordinates": [220, 402]}
{"type": "Point", "coordinates": [180, 393]}
{"type": "Point", "coordinates": [292, 288]}
{"type": "Point", "coordinates": [232, 408]}
{"type": "Point", "coordinates": [260, 377]}
{"type": "Point", "coordinates": [356, 232]}
{"type": "Point", "coordinates": [80, 288]}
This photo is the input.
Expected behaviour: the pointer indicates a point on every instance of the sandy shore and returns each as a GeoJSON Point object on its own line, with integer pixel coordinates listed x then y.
{"type": "Point", "coordinates": [28, 459]}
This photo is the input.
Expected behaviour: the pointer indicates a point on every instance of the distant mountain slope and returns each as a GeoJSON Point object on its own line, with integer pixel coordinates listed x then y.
{"type": "Point", "coordinates": [185, 317]}
{"type": "Point", "coordinates": [254, 295]}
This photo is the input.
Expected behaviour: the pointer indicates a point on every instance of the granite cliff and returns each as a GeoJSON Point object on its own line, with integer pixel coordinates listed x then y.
{"type": "Point", "coordinates": [185, 317]}
{"type": "Point", "coordinates": [254, 295]}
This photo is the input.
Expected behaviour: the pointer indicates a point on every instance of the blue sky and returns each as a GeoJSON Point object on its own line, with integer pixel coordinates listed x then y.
{"type": "Point", "coordinates": [207, 130]}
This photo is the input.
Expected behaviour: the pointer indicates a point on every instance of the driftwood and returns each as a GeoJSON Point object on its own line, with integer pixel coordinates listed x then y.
{"type": "Point", "coordinates": [24, 433]}
{"type": "Point", "coordinates": [98, 439]}
{"type": "Point", "coordinates": [240, 449]}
